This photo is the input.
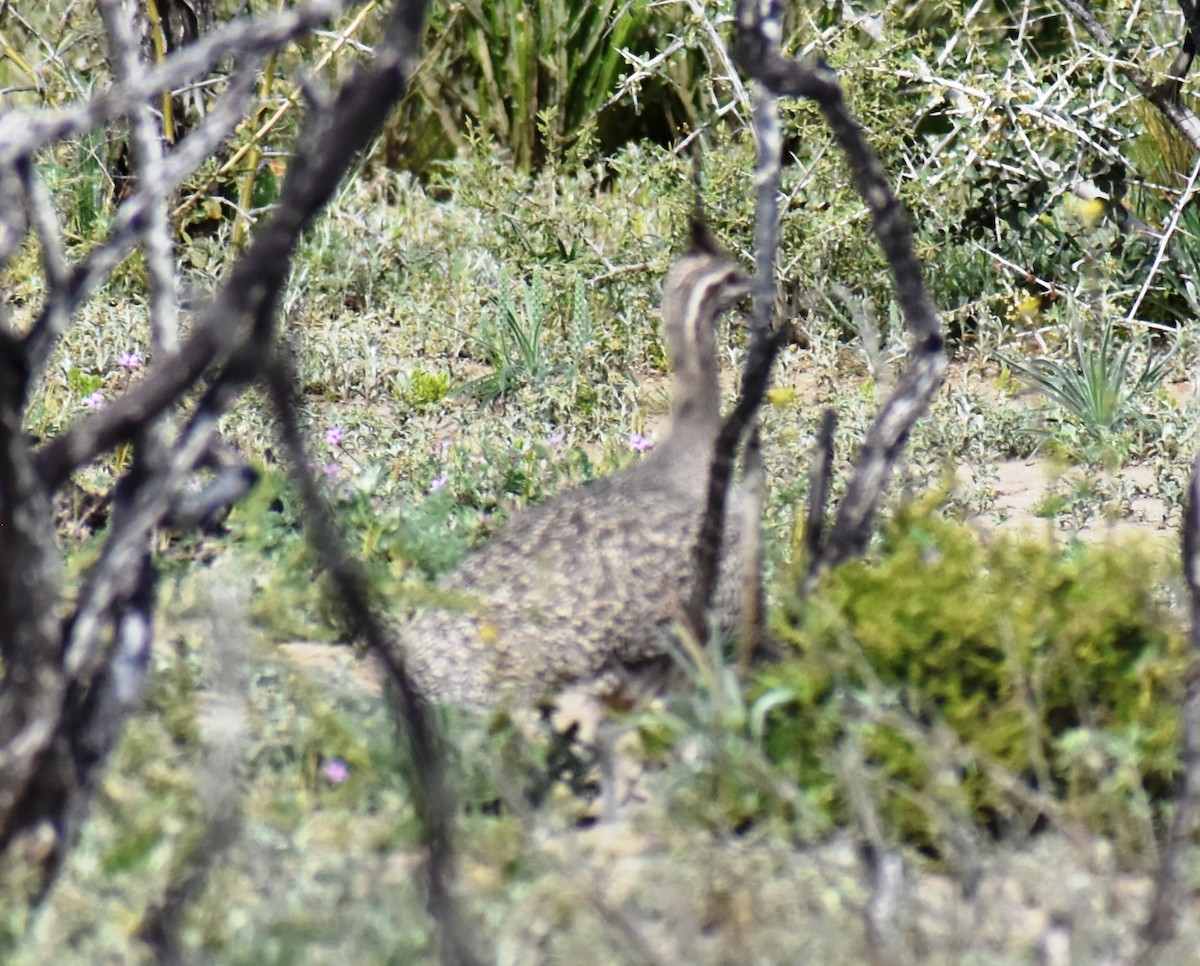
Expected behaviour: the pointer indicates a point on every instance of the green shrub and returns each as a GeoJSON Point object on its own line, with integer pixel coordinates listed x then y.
{"type": "Point", "coordinates": [956, 662]}
{"type": "Point", "coordinates": [422, 388]}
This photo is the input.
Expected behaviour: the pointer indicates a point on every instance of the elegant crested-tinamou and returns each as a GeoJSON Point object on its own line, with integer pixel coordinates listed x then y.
{"type": "Point", "coordinates": [591, 582]}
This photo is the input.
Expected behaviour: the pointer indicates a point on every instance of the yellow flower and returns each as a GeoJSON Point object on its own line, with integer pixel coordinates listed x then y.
{"type": "Point", "coordinates": [1030, 305]}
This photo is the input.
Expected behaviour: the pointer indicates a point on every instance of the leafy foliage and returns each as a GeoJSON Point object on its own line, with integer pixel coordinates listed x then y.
{"type": "Point", "coordinates": [542, 80]}
{"type": "Point", "coordinates": [1057, 664]}
{"type": "Point", "coordinates": [1101, 388]}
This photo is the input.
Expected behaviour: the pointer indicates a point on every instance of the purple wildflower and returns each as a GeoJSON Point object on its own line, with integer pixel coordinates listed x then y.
{"type": "Point", "coordinates": [334, 436]}
{"type": "Point", "coordinates": [554, 439]}
{"type": "Point", "coordinates": [437, 484]}
{"type": "Point", "coordinates": [94, 401]}
{"type": "Point", "coordinates": [130, 360]}
{"type": "Point", "coordinates": [639, 442]}
{"type": "Point", "coordinates": [335, 771]}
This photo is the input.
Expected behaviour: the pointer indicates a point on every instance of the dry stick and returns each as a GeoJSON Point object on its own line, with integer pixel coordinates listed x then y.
{"type": "Point", "coordinates": [63, 300]}
{"type": "Point", "coordinates": [361, 620]}
{"type": "Point", "coordinates": [23, 133]}
{"type": "Point", "coordinates": [147, 152]}
{"type": "Point", "coordinates": [30, 584]}
{"type": "Point", "coordinates": [336, 134]}
{"type": "Point", "coordinates": [236, 329]}
{"type": "Point", "coordinates": [1169, 882]}
{"type": "Point", "coordinates": [764, 346]}
{"type": "Point", "coordinates": [156, 180]}
{"type": "Point", "coordinates": [916, 387]}
{"type": "Point", "coordinates": [98, 705]}
{"type": "Point", "coordinates": [818, 490]}
{"type": "Point", "coordinates": [31, 576]}
{"type": "Point", "coordinates": [102, 681]}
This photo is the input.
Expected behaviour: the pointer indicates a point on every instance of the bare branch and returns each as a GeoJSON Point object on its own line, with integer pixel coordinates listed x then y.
{"type": "Point", "coordinates": [360, 616]}
{"type": "Point", "coordinates": [30, 583]}
{"type": "Point", "coordinates": [69, 686]}
{"type": "Point", "coordinates": [818, 490]}
{"type": "Point", "coordinates": [764, 343]}
{"type": "Point", "coordinates": [128, 223]}
{"type": "Point", "coordinates": [759, 55]}
{"type": "Point", "coordinates": [148, 158]}
{"type": "Point", "coordinates": [248, 296]}
{"type": "Point", "coordinates": [22, 133]}
{"type": "Point", "coordinates": [1170, 882]}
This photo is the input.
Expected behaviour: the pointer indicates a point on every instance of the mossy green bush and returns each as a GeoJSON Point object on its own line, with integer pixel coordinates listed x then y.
{"type": "Point", "coordinates": [998, 675]}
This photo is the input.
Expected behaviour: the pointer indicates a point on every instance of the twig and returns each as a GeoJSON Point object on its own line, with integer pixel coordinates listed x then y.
{"type": "Point", "coordinates": [818, 490]}
{"type": "Point", "coordinates": [1169, 883]}
{"type": "Point", "coordinates": [360, 615]}
{"type": "Point", "coordinates": [764, 342]}
{"type": "Point", "coordinates": [1162, 96]}
{"type": "Point", "coordinates": [147, 152]}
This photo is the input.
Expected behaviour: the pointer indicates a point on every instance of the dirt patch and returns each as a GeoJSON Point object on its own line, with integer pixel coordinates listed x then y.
{"type": "Point", "coordinates": [1035, 494]}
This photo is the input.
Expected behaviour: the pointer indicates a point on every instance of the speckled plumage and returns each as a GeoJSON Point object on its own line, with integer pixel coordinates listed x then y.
{"type": "Point", "coordinates": [593, 579]}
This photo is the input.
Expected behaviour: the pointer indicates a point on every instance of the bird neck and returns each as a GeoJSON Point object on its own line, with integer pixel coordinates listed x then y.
{"type": "Point", "coordinates": [695, 411]}
{"type": "Point", "coordinates": [697, 289]}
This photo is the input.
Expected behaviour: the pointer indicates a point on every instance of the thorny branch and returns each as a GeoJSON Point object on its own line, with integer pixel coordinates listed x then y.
{"type": "Point", "coordinates": [1165, 96]}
